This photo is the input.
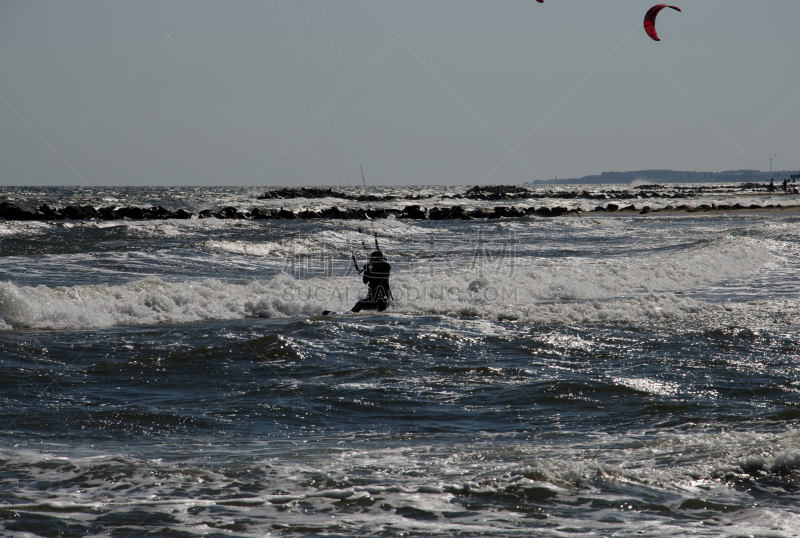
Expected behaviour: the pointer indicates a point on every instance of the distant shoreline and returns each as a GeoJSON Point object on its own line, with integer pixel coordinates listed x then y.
{"type": "Point", "coordinates": [672, 176]}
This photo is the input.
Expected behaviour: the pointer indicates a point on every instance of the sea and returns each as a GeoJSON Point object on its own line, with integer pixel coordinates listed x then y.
{"type": "Point", "coordinates": [597, 374]}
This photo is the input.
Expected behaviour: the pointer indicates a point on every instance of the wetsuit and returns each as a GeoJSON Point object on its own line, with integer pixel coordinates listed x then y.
{"type": "Point", "coordinates": [376, 277]}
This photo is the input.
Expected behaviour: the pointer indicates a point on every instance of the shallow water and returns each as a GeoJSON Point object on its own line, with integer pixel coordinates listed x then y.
{"type": "Point", "coordinates": [583, 376]}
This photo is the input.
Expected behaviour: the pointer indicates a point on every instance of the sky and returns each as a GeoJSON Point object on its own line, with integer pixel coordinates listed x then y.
{"type": "Point", "coordinates": [415, 92]}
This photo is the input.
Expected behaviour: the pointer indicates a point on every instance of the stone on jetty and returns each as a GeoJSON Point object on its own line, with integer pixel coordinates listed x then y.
{"type": "Point", "coordinates": [413, 212]}
{"type": "Point", "coordinates": [496, 192]}
{"type": "Point", "coordinates": [260, 214]}
{"type": "Point", "coordinates": [133, 213]}
{"type": "Point", "coordinates": [308, 214]}
{"type": "Point", "coordinates": [382, 213]}
{"type": "Point", "coordinates": [286, 214]}
{"type": "Point", "coordinates": [75, 212]}
{"type": "Point", "coordinates": [10, 211]}
{"type": "Point", "coordinates": [458, 212]}
{"type": "Point", "coordinates": [507, 212]}
{"type": "Point", "coordinates": [49, 213]}
{"type": "Point", "coordinates": [303, 192]}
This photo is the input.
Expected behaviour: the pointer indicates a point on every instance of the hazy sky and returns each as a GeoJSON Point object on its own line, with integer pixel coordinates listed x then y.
{"type": "Point", "coordinates": [252, 93]}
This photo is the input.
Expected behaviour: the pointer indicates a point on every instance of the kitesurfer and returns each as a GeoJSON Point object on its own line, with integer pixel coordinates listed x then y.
{"type": "Point", "coordinates": [376, 277]}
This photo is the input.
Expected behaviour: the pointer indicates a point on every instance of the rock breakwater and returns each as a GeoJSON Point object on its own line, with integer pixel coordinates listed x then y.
{"type": "Point", "coordinates": [607, 201]}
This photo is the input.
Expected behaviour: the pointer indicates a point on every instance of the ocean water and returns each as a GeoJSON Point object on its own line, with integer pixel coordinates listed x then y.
{"type": "Point", "coordinates": [576, 376]}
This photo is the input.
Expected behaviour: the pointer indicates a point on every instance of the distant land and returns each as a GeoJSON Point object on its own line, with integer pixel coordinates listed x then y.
{"type": "Point", "coordinates": [674, 176]}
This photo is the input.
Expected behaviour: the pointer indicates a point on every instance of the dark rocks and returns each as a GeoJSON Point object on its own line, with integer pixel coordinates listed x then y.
{"type": "Point", "coordinates": [49, 213]}
{"type": "Point", "coordinates": [480, 213]}
{"type": "Point", "coordinates": [543, 212]}
{"type": "Point", "coordinates": [258, 213]}
{"type": "Point", "coordinates": [143, 213]}
{"type": "Point", "coordinates": [382, 213]}
{"type": "Point", "coordinates": [413, 212]}
{"type": "Point", "coordinates": [496, 192]}
{"type": "Point", "coordinates": [231, 212]}
{"type": "Point", "coordinates": [316, 192]}
{"type": "Point", "coordinates": [343, 214]}
{"type": "Point", "coordinates": [107, 213]}
{"type": "Point", "coordinates": [303, 192]}
{"type": "Point", "coordinates": [508, 212]}
{"type": "Point", "coordinates": [224, 213]}
{"type": "Point", "coordinates": [133, 213]}
{"type": "Point", "coordinates": [437, 213]}
{"type": "Point", "coordinates": [286, 214]}
{"type": "Point", "coordinates": [458, 212]}
{"type": "Point", "coordinates": [308, 214]}
{"type": "Point", "coordinates": [449, 213]}
{"type": "Point", "coordinates": [10, 211]}
{"type": "Point", "coordinates": [332, 213]}
{"type": "Point", "coordinates": [548, 211]}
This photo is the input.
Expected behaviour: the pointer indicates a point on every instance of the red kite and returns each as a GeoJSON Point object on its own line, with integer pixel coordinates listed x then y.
{"type": "Point", "coordinates": [650, 20]}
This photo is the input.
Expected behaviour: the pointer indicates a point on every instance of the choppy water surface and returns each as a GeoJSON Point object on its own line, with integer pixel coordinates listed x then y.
{"type": "Point", "coordinates": [581, 376]}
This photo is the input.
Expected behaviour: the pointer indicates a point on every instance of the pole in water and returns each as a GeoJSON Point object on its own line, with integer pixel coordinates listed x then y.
{"type": "Point", "coordinates": [363, 179]}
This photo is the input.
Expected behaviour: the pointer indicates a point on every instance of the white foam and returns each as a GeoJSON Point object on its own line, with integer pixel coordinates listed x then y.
{"type": "Point", "coordinates": [566, 290]}
{"type": "Point", "coordinates": [307, 484]}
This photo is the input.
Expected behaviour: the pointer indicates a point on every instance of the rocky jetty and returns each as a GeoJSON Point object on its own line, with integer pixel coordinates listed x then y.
{"type": "Point", "coordinates": [9, 211]}
{"type": "Point", "coordinates": [314, 193]}
{"type": "Point", "coordinates": [497, 192]}
{"type": "Point", "coordinates": [604, 202]}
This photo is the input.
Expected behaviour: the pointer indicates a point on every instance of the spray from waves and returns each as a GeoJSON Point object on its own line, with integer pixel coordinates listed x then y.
{"type": "Point", "coordinates": [636, 289]}
{"type": "Point", "coordinates": [606, 476]}
{"type": "Point", "coordinates": [638, 182]}
{"type": "Point", "coordinates": [571, 290]}
{"type": "Point", "coordinates": [154, 301]}
{"type": "Point", "coordinates": [707, 263]}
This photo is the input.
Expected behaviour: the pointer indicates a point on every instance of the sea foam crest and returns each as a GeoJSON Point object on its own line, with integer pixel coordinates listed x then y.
{"type": "Point", "coordinates": [630, 289]}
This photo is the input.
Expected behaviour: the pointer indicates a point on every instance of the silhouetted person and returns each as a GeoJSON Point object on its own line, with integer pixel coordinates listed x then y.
{"type": "Point", "coordinates": [771, 187]}
{"type": "Point", "coordinates": [376, 277]}
{"type": "Point", "coordinates": [785, 185]}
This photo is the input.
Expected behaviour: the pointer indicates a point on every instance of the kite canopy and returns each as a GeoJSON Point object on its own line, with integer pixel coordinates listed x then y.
{"type": "Point", "coordinates": [650, 19]}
